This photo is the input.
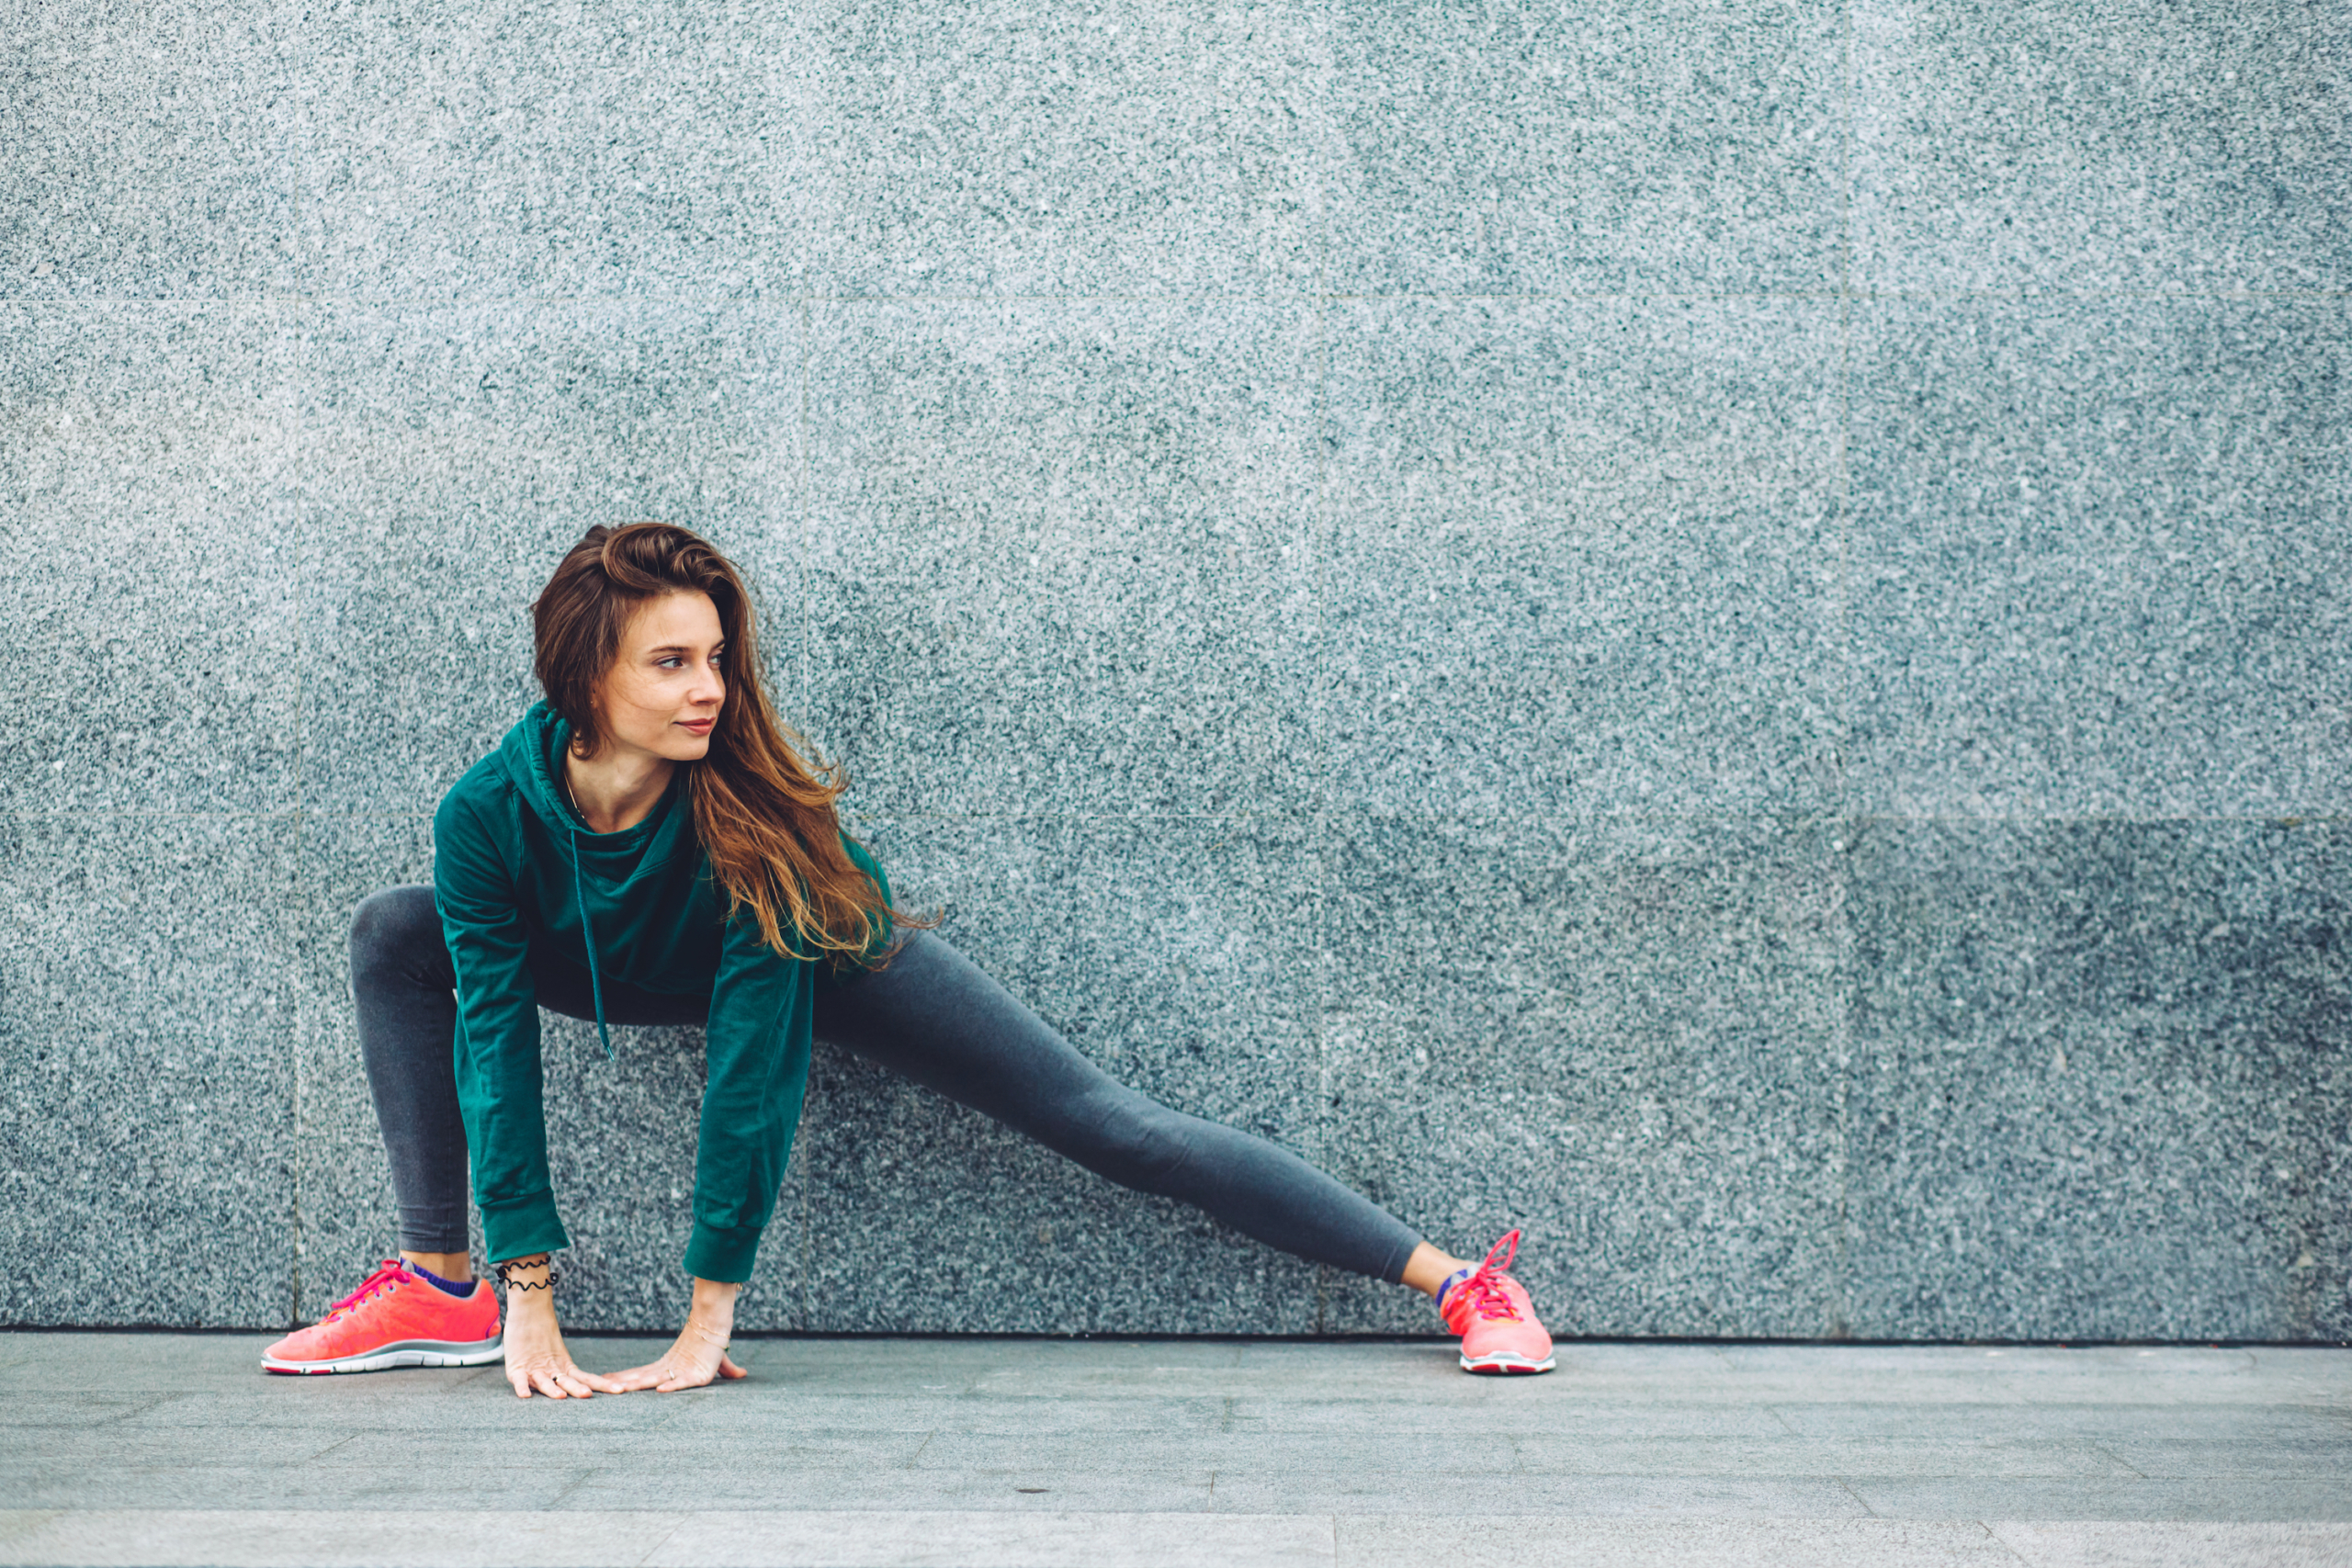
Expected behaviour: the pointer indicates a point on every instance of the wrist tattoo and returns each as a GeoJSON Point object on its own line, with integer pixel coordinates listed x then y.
{"type": "Point", "coordinates": [507, 1277]}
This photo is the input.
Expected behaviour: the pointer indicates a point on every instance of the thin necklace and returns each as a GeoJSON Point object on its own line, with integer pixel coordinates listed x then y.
{"type": "Point", "coordinates": [565, 781]}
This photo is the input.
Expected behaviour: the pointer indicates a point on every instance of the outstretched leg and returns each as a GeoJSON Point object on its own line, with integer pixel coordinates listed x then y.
{"type": "Point", "coordinates": [936, 1017]}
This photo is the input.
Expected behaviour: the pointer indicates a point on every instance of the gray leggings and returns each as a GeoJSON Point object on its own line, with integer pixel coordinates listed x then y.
{"type": "Point", "coordinates": [930, 1016]}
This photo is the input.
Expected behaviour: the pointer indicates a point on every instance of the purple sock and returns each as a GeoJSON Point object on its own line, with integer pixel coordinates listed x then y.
{"type": "Point", "coordinates": [1447, 1284]}
{"type": "Point", "coordinates": [451, 1286]}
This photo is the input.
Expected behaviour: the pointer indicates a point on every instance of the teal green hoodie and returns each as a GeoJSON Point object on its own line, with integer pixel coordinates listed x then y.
{"type": "Point", "coordinates": [513, 867]}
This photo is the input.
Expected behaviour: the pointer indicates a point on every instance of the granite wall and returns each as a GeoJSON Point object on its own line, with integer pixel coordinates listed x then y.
{"type": "Point", "coordinates": [1715, 629]}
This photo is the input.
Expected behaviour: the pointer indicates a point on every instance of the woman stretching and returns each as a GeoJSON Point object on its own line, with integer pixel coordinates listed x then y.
{"type": "Point", "coordinates": [647, 847]}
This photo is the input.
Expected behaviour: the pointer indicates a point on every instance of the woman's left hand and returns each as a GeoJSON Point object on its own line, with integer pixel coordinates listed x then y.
{"type": "Point", "coordinates": [691, 1362]}
{"type": "Point", "coordinates": [698, 1355]}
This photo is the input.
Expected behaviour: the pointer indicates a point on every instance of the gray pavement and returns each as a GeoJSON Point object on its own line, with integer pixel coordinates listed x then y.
{"type": "Point", "coordinates": [1002, 1453]}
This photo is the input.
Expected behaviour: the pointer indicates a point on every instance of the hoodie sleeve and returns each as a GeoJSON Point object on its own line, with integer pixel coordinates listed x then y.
{"type": "Point", "coordinates": [499, 1086]}
{"type": "Point", "coordinates": [757, 1049]}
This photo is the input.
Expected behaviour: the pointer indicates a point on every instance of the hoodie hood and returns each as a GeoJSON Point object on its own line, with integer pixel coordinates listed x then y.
{"type": "Point", "coordinates": [615, 879]}
{"type": "Point", "coordinates": [527, 758]}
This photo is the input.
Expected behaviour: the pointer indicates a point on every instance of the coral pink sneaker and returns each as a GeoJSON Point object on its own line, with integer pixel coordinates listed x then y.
{"type": "Point", "coordinates": [1491, 1312]}
{"type": "Point", "coordinates": [396, 1319]}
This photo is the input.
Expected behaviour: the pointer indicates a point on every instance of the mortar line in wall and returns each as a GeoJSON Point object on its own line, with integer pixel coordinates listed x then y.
{"type": "Point", "coordinates": [424, 303]}
{"type": "Point", "coordinates": [1319, 697]}
{"type": "Point", "coordinates": [806, 532]}
{"type": "Point", "coordinates": [286, 816]}
{"type": "Point", "coordinates": [727, 302]}
{"type": "Point", "coordinates": [2093, 296]}
{"type": "Point", "coordinates": [1697, 813]}
{"type": "Point", "coordinates": [298, 998]}
{"type": "Point", "coordinates": [299, 1005]}
{"type": "Point", "coordinates": [742, 301]}
{"type": "Point", "coordinates": [805, 525]}
{"type": "Point", "coordinates": [1842, 1030]}
{"type": "Point", "coordinates": [2291, 819]}
{"type": "Point", "coordinates": [926, 816]}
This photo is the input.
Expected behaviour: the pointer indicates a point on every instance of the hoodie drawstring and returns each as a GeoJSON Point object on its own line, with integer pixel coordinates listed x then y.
{"type": "Point", "coordinates": [588, 934]}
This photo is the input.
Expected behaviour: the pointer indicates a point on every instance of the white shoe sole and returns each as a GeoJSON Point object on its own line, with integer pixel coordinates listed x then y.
{"type": "Point", "coordinates": [1507, 1361]}
{"type": "Point", "coordinates": [407, 1353]}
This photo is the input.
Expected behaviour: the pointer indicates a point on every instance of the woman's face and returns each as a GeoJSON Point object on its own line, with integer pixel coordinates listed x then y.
{"type": "Point", "coordinates": [663, 690]}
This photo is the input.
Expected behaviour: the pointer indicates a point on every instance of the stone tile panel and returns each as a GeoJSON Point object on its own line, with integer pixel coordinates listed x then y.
{"type": "Point", "coordinates": [1525, 1025]}
{"type": "Point", "coordinates": [543, 148]}
{"type": "Point", "coordinates": [155, 150]}
{"type": "Point", "coordinates": [2099, 557]}
{"type": "Point", "coordinates": [147, 1009]}
{"type": "Point", "coordinates": [1584, 556]}
{"type": "Point", "coordinates": [150, 518]}
{"type": "Point", "coordinates": [1062, 554]}
{"type": "Point", "coordinates": [2133, 147]}
{"type": "Point", "coordinates": [1138, 150]}
{"type": "Point", "coordinates": [2087, 1058]}
{"type": "Point", "coordinates": [1619, 148]}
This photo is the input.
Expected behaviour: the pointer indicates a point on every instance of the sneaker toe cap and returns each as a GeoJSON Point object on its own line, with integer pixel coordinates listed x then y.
{"type": "Point", "coordinates": [302, 1345]}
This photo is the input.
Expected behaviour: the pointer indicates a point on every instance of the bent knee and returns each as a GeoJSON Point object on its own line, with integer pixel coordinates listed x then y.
{"type": "Point", "coordinates": [391, 923]}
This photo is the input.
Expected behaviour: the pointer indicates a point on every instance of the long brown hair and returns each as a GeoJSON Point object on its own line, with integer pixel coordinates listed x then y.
{"type": "Point", "coordinates": [762, 811]}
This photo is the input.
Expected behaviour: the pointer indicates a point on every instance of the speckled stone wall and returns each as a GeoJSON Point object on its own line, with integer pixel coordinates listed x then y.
{"type": "Point", "coordinates": [1716, 629]}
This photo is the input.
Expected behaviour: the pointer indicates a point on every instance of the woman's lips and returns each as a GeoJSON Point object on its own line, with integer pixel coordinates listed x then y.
{"type": "Point", "coordinates": [699, 725]}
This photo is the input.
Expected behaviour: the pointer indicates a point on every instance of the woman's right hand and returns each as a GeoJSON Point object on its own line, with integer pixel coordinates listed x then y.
{"type": "Point", "coordinates": [536, 1358]}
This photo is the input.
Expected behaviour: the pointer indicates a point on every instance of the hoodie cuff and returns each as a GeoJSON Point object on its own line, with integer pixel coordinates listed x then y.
{"type": "Point", "coordinates": [522, 1227]}
{"type": "Point", "coordinates": [722, 1255]}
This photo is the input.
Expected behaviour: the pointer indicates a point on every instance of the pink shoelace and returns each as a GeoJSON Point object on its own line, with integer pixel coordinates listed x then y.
{"type": "Point", "coordinates": [1482, 1291]}
{"type": "Point", "coordinates": [390, 1272]}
